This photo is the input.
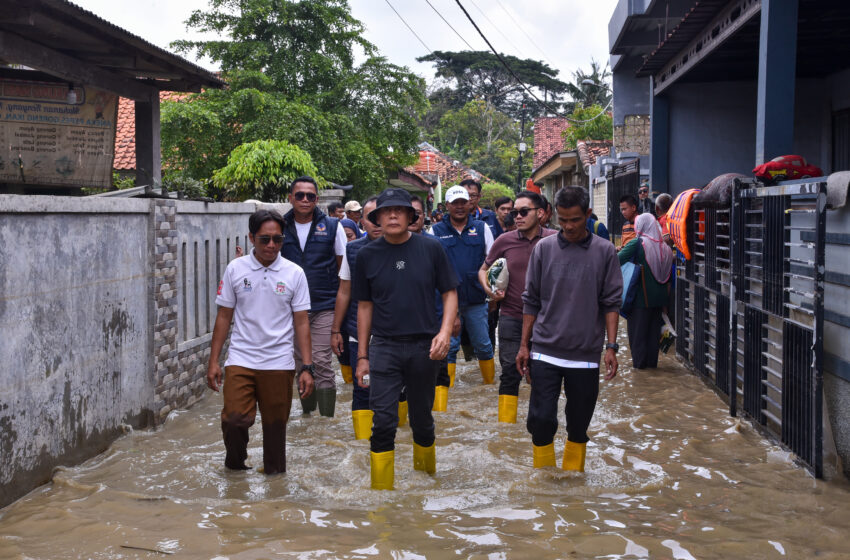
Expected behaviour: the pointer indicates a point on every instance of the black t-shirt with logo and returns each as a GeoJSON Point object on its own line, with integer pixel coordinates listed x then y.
{"type": "Point", "coordinates": [400, 281]}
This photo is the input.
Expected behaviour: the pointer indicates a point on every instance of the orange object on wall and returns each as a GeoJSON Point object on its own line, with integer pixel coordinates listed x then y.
{"type": "Point", "coordinates": [677, 220]}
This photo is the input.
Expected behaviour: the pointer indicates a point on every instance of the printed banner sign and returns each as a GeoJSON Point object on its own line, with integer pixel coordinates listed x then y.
{"type": "Point", "coordinates": [53, 135]}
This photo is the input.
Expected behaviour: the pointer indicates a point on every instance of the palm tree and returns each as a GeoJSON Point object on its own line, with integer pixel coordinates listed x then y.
{"type": "Point", "coordinates": [590, 88]}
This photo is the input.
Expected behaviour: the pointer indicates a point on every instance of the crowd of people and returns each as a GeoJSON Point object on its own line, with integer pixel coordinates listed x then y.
{"type": "Point", "coordinates": [396, 300]}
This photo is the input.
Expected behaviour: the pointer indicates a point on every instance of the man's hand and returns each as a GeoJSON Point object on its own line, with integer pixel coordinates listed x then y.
{"type": "Point", "coordinates": [440, 346]}
{"type": "Point", "coordinates": [496, 295]}
{"type": "Point", "coordinates": [305, 384]}
{"type": "Point", "coordinates": [522, 360]}
{"type": "Point", "coordinates": [610, 364]}
{"type": "Point", "coordinates": [362, 371]}
{"type": "Point", "coordinates": [337, 343]}
{"type": "Point", "coordinates": [214, 376]}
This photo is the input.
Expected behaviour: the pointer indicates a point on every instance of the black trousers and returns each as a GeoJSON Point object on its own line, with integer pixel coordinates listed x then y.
{"type": "Point", "coordinates": [644, 327]}
{"type": "Point", "coordinates": [360, 395]}
{"type": "Point", "coordinates": [492, 323]}
{"type": "Point", "coordinates": [443, 373]}
{"type": "Point", "coordinates": [510, 335]}
{"type": "Point", "coordinates": [394, 364]}
{"type": "Point", "coordinates": [581, 387]}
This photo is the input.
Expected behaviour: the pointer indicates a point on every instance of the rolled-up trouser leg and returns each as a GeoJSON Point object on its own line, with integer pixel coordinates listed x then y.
{"type": "Point", "coordinates": [420, 376]}
{"type": "Point", "coordinates": [581, 387]}
{"type": "Point", "coordinates": [274, 397]}
{"type": "Point", "coordinates": [359, 395]}
{"type": "Point", "coordinates": [542, 423]}
{"type": "Point", "coordinates": [510, 334]}
{"type": "Point", "coordinates": [386, 366]}
{"type": "Point", "coordinates": [238, 414]}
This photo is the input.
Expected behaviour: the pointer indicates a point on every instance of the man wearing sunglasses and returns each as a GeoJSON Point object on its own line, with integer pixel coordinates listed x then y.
{"type": "Point", "coordinates": [467, 241]}
{"type": "Point", "coordinates": [316, 243]}
{"type": "Point", "coordinates": [266, 298]}
{"type": "Point", "coordinates": [645, 203]}
{"type": "Point", "coordinates": [516, 248]}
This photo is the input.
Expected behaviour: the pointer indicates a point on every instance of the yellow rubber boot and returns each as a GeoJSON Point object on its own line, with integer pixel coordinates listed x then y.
{"type": "Point", "coordinates": [544, 456]}
{"type": "Point", "coordinates": [346, 373]}
{"type": "Point", "coordinates": [441, 398]}
{"type": "Point", "coordinates": [507, 408]}
{"type": "Point", "coordinates": [362, 420]}
{"type": "Point", "coordinates": [452, 374]}
{"type": "Point", "coordinates": [402, 413]}
{"type": "Point", "coordinates": [574, 456]}
{"type": "Point", "coordinates": [425, 458]}
{"type": "Point", "coordinates": [383, 469]}
{"type": "Point", "coordinates": [488, 370]}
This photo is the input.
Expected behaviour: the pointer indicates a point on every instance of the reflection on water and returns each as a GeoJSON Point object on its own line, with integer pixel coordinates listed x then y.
{"type": "Point", "coordinates": [669, 475]}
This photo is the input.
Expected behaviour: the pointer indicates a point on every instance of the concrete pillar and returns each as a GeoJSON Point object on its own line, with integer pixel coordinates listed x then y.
{"type": "Point", "coordinates": [148, 143]}
{"type": "Point", "coordinates": [659, 139]}
{"type": "Point", "coordinates": [776, 79]}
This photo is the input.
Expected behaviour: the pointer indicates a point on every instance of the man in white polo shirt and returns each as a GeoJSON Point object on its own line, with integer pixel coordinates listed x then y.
{"type": "Point", "coordinates": [266, 298]}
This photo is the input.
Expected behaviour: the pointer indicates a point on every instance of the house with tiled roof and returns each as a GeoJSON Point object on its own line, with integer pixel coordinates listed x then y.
{"type": "Point", "coordinates": [125, 132]}
{"type": "Point", "coordinates": [548, 138]}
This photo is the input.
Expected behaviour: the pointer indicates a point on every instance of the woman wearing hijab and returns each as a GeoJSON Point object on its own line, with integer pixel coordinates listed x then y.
{"type": "Point", "coordinates": [656, 259]}
{"type": "Point", "coordinates": [352, 232]}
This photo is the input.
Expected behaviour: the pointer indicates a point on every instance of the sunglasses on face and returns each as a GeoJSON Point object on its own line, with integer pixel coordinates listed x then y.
{"type": "Point", "coordinates": [522, 211]}
{"type": "Point", "coordinates": [263, 240]}
{"type": "Point", "coordinates": [301, 195]}
{"type": "Point", "coordinates": [643, 191]}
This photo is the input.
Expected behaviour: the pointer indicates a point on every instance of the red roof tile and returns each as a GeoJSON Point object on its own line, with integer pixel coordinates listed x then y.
{"type": "Point", "coordinates": [548, 138]}
{"type": "Point", "coordinates": [590, 150]}
{"type": "Point", "coordinates": [125, 130]}
{"type": "Point", "coordinates": [433, 163]}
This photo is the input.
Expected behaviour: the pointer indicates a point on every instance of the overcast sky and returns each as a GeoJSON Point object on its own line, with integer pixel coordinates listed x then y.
{"type": "Point", "coordinates": [566, 34]}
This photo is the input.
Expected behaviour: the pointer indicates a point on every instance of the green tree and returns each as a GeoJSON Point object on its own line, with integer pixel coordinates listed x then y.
{"type": "Point", "coordinates": [491, 191]}
{"type": "Point", "coordinates": [263, 169]}
{"type": "Point", "coordinates": [599, 126]}
{"type": "Point", "coordinates": [597, 92]}
{"type": "Point", "coordinates": [292, 77]}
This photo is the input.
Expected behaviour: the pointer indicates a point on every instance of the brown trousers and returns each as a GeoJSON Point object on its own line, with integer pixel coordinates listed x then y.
{"type": "Point", "coordinates": [245, 389]}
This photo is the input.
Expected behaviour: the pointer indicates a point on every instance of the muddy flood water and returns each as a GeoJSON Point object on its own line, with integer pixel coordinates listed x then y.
{"type": "Point", "coordinates": [669, 475]}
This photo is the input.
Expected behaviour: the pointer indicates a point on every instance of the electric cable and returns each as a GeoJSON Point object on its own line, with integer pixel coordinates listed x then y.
{"type": "Point", "coordinates": [496, 27]}
{"type": "Point", "coordinates": [520, 27]}
{"type": "Point", "coordinates": [520, 82]}
{"type": "Point", "coordinates": [408, 27]}
{"type": "Point", "coordinates": [450, 25]}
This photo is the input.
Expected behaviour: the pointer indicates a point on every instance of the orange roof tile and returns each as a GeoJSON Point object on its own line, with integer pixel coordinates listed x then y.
{"type": "Point", "coordinates": [449, 170]}
{"type": "Point", "coordinates": [590, 150]}
{"type": "Point", "coordinates": [125, 130]}
{"type": "Point", "coordinates": [548, 138]}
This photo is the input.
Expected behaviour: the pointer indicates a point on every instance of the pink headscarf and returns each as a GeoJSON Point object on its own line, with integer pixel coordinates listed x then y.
{"type": "Point", "coordinates": [658, 254]}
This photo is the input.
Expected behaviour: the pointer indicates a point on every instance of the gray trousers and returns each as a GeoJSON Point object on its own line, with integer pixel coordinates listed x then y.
{"type": "Point", "coordinates": [320, 339]}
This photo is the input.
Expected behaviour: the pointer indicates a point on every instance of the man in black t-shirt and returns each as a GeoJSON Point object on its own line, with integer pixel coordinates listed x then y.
{"type": "Point", "coordinates": [394, 283]}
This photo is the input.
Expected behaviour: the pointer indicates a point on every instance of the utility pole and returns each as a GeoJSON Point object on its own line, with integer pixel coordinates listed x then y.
{"type": "Point", "coordinates": [521, 147]}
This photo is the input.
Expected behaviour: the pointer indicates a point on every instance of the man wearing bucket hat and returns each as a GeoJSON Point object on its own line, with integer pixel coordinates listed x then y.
{"type": "Point", "coordinates": [467, 242]}
{"type": "Point", "coordinates": [394, 284]}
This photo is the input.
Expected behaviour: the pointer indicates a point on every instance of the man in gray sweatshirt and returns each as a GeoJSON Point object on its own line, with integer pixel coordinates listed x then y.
{"type": "Point", "coordinates": [571, 300]}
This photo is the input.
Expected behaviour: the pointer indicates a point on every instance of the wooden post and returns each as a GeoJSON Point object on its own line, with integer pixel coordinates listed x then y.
{"type": "Point", "coordinates": [148, 143]}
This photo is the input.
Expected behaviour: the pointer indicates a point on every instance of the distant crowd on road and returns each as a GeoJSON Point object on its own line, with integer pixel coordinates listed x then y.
{"type": "Point", "coordinates": [397, 293]}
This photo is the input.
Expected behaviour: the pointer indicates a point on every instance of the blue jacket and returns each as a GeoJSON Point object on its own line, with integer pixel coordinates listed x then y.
{"type": "Point", "coordinates": [351, 250]}
{"type": "Point", "coordinates": [489, 217]}
{"type": "Point", "coordinates": [466, 252]}
{"type": "Point", "coordinates": [317, 259]}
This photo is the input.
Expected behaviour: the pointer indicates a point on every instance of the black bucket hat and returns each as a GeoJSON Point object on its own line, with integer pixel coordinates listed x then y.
{"type": "Point", "coordinates": [391, 198]}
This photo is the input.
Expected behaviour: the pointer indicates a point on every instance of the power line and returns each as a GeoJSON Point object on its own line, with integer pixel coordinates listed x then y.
{"type": "Point", "coordinates": [520, 82]}
{"type": "Point", "coordinates": [496, 27]}
{"type": "Point", "coordinates": [450, 25]}
{"type": "Point", "coordinates": [408, 26]}
{"type": "Point", "coordinates": [524, 33]}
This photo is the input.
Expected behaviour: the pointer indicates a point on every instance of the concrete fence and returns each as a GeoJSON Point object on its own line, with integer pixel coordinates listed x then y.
{"type": "Point", "coordinates": [106, 313]}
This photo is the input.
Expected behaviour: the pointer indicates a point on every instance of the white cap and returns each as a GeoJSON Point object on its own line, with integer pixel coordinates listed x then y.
{"type": "Point", "coordinates": [456, 193]}
{"type": "Point", "coordinates": [352, 206]}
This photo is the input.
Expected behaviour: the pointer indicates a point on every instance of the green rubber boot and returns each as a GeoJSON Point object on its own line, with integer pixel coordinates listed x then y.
{"type": "Point", "coordinates": [308, 405]}
{"type": "Point", "coordinates": [327, 401]}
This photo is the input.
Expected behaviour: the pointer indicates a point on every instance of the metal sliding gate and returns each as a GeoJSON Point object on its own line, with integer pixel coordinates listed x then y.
{"type": "Point", "coordinates": [623, 179]}
{"type": "Point", "coordinates": [749, 308]}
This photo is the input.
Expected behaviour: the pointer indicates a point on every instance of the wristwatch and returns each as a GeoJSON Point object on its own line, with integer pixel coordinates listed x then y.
{"type": "Point", "coordinates": [308, 369]}
{"type": "Point", "coordinates": [613, 346]}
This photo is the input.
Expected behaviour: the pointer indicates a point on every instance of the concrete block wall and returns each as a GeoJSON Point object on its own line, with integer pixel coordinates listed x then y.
{"type": "Point", "coordinates": [92, 307]}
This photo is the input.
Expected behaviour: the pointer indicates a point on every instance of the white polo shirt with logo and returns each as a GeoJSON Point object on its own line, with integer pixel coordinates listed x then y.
{"type": "Point", "coordinates": [264, 299]}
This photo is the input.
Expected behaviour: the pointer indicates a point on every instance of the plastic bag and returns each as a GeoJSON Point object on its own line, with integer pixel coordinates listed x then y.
{"type": "Point", "coordinates": [497, 275]}
{"type": "Point", "coordinates": [668, 335]}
